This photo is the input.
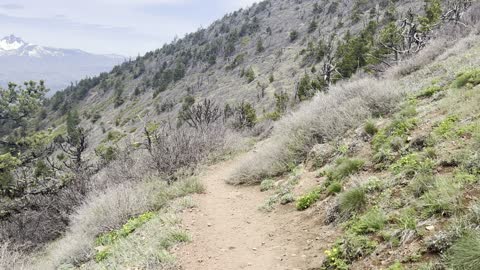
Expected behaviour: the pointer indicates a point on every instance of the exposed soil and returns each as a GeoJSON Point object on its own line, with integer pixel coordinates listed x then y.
{"type": "Point", "coordinates": [230, 232]}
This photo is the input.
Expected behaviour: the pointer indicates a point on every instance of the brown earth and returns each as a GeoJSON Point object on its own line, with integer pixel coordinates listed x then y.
{"type": "Point", "coordinates": [230, 232]}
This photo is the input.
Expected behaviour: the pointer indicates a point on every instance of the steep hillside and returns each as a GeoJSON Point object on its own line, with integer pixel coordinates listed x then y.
{"type": "Point", "coordinates": [250, 55]}
{"type": "Point", "coordinates": [358, 120]}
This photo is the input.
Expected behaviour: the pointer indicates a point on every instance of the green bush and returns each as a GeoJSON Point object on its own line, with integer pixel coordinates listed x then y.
{"type": "Point", "coordinates": [430, 91]}
{"type": "Point", "coordinates": [465, 253]}
{"type": "Point", "coordinates": [107, 239]}
{"type": "Point", "coordinates": [412, 164]}
{"type": "Point", "coordinates": [446, 127]}
{"type": "Point", "coordinates": [352, 200]}
{"type": "Point", "coordinates": [308, 199]}
{"type": "Point", "coordinates": [114, 136]}
{"type": "Point", "coordinates": [391, 139]}
{"type": "Point", "coordinates": [396, 266]}
{"type": "Point", "coordinates": [421, 183]}
{"type": "Point", "coordinates": [372, 221]}
{"type": "Point", "coordinates": [370, 128]}
{"type": "Point", "coordinates": [344, 167]}
{"type": "Point", "coordinates": [442, 198]}
{"type": "Point", "coordinates": [347, 250]}
{"type": "Point", "coordinates": [250, 75]}
{"type": "Point", "coordinates": [469, 78]}
{"type": "Point", "coordinates": [334, 188]}
{"type": "Point", "coordinates": [374, 184]}
{"type": "Point", "coordinates": [128, 228]}
{"type": "Point", "coordinates": [293, 36]}
{"type": "Point", "coordinates": [406, 220]}
{"type": "Point", "coordinates": [106, 153]}
{"type": "Point", "coordinates": [267, 184]}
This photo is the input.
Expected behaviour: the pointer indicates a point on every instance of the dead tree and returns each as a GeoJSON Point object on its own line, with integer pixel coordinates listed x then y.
{"type": "Point", "coordinates": [202, 114]}
{"type": "Point", "coordinates": [455, 11]}
{"type": "Point", "coordinates": [74, 146]}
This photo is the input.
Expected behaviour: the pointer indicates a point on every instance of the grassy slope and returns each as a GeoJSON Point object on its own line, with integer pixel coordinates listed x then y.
{"type": "Point", "coordinates": [415, 193]}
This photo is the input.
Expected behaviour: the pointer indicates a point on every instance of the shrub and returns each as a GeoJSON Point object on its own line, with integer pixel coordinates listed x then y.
{"type": "Point", "coordinates": [201, 115]}
{"type": "Point", "coordinates": [325, 117]}
{"type": "Point", "coordinates": [344, 167]}
{"type": "Point", "coordinates": [430, 91]}
{"type": "Point", "coordinates": [181, 149]}
{"type": "Point", "coordinates": [308, 199]}
{"type": "Point", "coordinates": [267, 184]}
{"type": "Point", "coordinates": [106, 153]}
{"type": "Point", "coordinates": [10, 258]}
{"type": "Point", "coordinates": [293, 36]}
{"type": "Point", "coordinates": [445, 127]}
{"type": "Point", "coordinates": [396, 266]}
{"type": "Point", "coordinates": [421, 183]}
{"type": "Point", "coordinates": [442, 198]}
{"type": "Point", "coordinates": [464, 254]}
{"type": "Point", "coordinates": [372, 221]}
{"type": "Point", "coordinates": [347, 250]}
{"type": "Point", "coordinates": [334, 188]}
{"type": "Point", "coordinates": [406, 220]}
{"type": "Point", "coordinates": [107, 210]}
{"type": "Point", "coordinates": [250, 75]}
{"type": "Point", "coordinates": [370, 128]}
{"type": "Point", "coordinates": [245, 116]}
{"type": "Point", "coordinates": [374, 184]}
{"type": "Point", "coordinates": [108, 239]}
{"type": "Point", "coordinates": [114, 136]}
{"type": "Point", "coordinates": [469, 78]}
{"type": "Point", "coordinates": [411, 165]}
{"type": "Point", "coordinates": [352, 201]}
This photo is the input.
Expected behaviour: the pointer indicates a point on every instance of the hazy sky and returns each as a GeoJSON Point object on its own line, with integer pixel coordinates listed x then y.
{"type": "Point", "coordinates": [126, 27]}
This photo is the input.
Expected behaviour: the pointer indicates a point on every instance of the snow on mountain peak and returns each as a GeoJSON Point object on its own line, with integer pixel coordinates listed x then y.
{"type": "Point", "coordinates": [11, 42]}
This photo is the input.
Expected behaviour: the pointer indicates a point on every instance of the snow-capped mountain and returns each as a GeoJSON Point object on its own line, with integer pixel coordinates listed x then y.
{"type": "Point", "coordinates": [22, 61]}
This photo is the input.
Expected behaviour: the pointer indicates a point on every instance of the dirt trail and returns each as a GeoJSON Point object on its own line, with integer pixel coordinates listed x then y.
{"type": "Point", "coordinates": [229, 232]}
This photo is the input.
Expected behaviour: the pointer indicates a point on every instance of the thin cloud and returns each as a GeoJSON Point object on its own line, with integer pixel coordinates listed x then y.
{"type": "Point", "coordinates": [124, 27]}
{"type": "Point", "coordinates": [11, 6]}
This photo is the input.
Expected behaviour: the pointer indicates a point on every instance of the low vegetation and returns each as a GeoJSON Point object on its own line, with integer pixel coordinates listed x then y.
{"type": "Point", "coordinates": [398, 190]}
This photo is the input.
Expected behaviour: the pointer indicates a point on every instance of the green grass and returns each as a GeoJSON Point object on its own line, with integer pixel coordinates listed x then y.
{"type": "Point", "coordinates": [430, 91]}
{"type": "Point", "coordinates": [442, 198]}
{"type": "Point", "coordinates": [352, 201]}
{"type": "Point", "coordinates": [407, 219]}
{"type": "Point", "coordinates": [333, 188]}
{"type": "Point", "coordinates": [113, 136]}
{"type": "Point", "coordinates": [344, 167]}
{"type": "Point", "coordinates": [468, 78]}
{"type": "Point", "coordinates": [391, 139]}
{"type": "Point", "coordinates": [267, 184]}
{"type": "Point", "coordinates": [412, 164]}
{"type": "Point", "coordinates": [308, 199]}
{"type": "Point", "coordinates": [127, 228]}
{"type": "Point", "coordinates": [370, 222]}
{"type": "Point", "coordinates": [421, 183]}
{"type": "Point", "coordinates": [446, 127]}
{"type": "Point", "coordinates": [396, 266]}
{"type": "Point", "coordinates": [370, 128]}
{"type": "Point", "coordinates": [346, 250]}
{"type": "Point", "coordinates": [465, 253]}
{"type": "Point", "coordinates": [108, 239]}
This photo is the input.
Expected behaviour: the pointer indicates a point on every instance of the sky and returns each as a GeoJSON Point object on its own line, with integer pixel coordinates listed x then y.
{"type": "Point", "coordinates": [125, 27]}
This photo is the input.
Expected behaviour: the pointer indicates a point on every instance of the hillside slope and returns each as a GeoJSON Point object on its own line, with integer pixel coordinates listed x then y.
{"type": "Point", "coordinates": [357, 119]}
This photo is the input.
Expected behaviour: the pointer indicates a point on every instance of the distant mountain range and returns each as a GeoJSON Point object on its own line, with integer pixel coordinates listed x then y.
{"type": "Point", "coordinates": [22, 61]}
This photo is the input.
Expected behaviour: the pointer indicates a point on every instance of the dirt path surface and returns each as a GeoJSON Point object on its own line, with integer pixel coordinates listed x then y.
{"type": "Point", "coordinates": [229, 232]}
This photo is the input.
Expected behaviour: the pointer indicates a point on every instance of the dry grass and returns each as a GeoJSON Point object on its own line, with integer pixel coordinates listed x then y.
{"type": "Point", "coordinates": [108, 210]}
{"type": "Point", "coordinates": [10, 258]}
{"type": "Point", "coordinates": [147, 247]}
{"type": "Point", "coordinates": [320, 120]}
